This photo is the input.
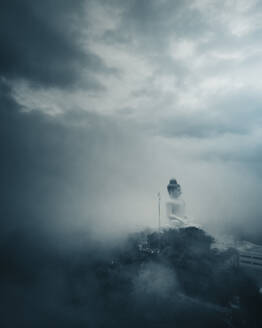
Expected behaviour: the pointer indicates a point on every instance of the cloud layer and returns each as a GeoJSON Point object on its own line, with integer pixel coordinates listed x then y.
{"type": "Point", "coordinates": [103, 102]}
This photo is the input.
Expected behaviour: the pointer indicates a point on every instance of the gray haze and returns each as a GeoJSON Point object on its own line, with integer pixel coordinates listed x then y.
{"type": "Point", "coordinates": [103, 101]}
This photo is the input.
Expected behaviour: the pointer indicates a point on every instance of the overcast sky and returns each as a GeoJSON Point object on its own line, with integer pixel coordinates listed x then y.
{"type": "Point", "coordinates": [103, 101]}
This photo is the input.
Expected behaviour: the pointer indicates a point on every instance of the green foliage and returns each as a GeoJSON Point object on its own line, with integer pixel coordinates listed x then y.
{"type": "Point", "coordinates": [205, 278]}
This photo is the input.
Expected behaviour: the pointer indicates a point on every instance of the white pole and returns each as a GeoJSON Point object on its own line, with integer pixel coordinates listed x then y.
{"type": "Point", "coordinates": [159, 217]}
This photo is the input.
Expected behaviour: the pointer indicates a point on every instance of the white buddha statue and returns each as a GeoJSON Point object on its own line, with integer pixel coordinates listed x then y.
{"type": "Point", "coordinates": [175, 206]}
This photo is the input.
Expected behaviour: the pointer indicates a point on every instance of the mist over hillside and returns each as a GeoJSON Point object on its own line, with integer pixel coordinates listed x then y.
{"type": "Point", "coordinates": [175, 278]}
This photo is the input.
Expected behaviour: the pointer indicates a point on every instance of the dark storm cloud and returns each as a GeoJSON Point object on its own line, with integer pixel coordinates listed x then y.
{"type": "Point", "coordinates": [224, 45]}
{"type": "Point", "coordinates": [41, 42]}
{"type": "Point", "coordinates": [151, 23]}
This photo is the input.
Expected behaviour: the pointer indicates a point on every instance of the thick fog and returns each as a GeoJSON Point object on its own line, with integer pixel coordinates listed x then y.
{"type": "Point", "coordinates": [101, 103]}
